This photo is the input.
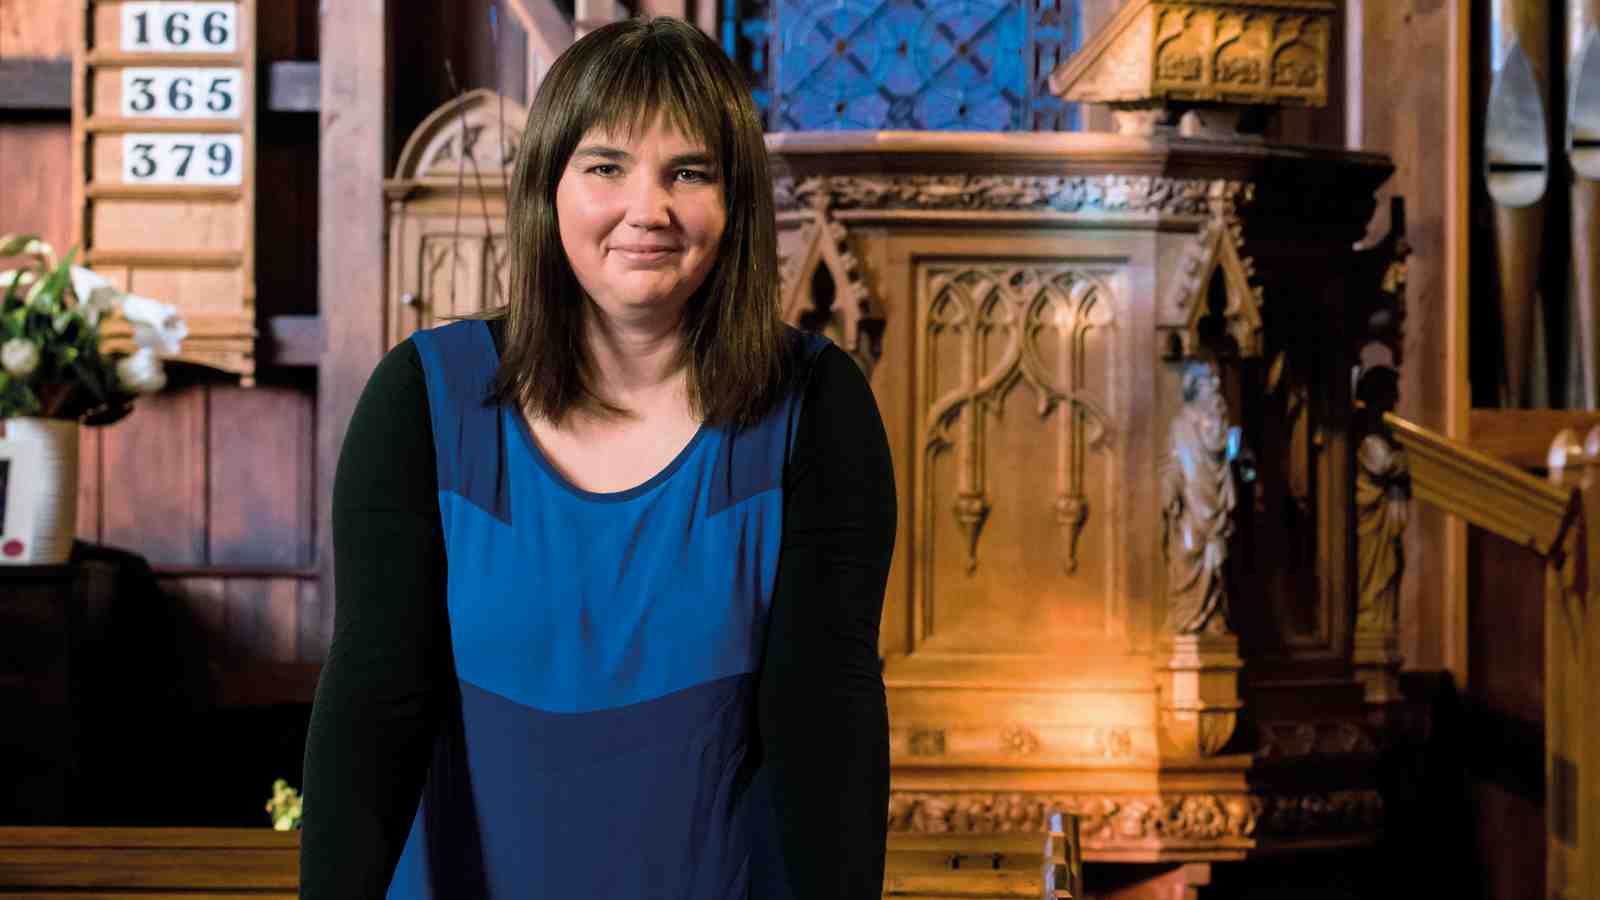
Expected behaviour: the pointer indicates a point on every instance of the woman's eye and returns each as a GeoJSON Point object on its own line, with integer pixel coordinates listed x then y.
{"type": "Point", "coordinates": [604, 169]}
{"type": "Point", "coordinates": [695, 176]}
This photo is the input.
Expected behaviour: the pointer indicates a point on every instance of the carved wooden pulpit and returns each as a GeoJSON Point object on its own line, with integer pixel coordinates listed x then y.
{"type": "Point", "coordinates": [1115, 371]}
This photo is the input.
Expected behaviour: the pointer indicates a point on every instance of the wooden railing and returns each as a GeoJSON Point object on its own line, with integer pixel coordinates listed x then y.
{"type": "Point", "coordinates": [1558, 518]}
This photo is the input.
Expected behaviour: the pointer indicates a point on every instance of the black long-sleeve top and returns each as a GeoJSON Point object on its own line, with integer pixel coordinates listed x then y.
{"type": "Point", "coordinates": [385, 702]}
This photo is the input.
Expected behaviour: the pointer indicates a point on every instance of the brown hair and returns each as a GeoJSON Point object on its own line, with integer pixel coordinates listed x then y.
{"type": "Point", "coordinates": [619, 78]}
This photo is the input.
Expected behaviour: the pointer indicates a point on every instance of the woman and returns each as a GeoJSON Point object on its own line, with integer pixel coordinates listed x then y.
{"type": "Point", "coordinates": [610, 561]}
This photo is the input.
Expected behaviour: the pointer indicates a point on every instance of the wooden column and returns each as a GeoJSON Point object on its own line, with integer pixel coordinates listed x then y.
{"type": "Point", "coordinates": [1410, 95]}
{"type": "Point", "coordinates": [356, 73]}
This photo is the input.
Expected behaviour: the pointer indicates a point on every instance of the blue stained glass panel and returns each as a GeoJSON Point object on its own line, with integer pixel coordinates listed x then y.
{"type": "Point", "coordinates": [904, 64]}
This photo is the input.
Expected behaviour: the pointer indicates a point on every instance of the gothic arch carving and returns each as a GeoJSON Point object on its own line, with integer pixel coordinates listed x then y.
{"type": "Point", "coordinates": [848, 318]}
{"type": "Point", "coordinates": [1215, 250]}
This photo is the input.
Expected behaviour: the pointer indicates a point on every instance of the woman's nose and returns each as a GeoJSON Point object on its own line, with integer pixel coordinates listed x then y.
{"type": "Point", "coordinates": [649, 204]}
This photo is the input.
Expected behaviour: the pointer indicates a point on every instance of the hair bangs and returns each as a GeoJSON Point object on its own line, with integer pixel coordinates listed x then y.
{"type": "Point", "coordinates": [653, 80]}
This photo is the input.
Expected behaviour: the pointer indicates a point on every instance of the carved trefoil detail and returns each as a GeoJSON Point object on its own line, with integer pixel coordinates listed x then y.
{"type": "Point", "coordinates": [1029, 307]}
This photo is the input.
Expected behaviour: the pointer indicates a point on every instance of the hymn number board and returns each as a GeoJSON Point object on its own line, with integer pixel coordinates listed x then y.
{"type": "Point", "coordinates": [164, 126]}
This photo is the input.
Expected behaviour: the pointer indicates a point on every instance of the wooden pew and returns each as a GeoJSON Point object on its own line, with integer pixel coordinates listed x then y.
{"type": "Point", "coordinates": [974, 866]}
{"type": "Point", "coordinates": [149, 863]}
{"type": "Point", "coordinates": [216, 863]}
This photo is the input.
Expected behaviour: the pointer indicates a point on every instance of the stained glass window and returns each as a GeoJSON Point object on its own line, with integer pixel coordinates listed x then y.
{"type": "Point", "coordinates": [970, 65]}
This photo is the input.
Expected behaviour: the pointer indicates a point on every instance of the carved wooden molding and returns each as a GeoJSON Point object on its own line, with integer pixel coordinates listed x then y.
{"type": "Point", "coordinates": [1028, 304]}
{"type": "Point", "coordinates": [1490, 494]}
{"type": "Point", "coordinates": [1229, 51]}
{"type": "Point", "coordinates": [1085, 193]}
{"type": "Point", "coordinates": [1335, 737]}
{"type": "Point", "coordinates": [990, 745]}
{"type": "Point", "coordinates": [1109, 821]}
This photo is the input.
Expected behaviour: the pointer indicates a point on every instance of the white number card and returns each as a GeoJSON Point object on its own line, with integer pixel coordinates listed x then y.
{"type": "Point", "coordinates": [181, 93]}
{"type": "Point", "coordinates": [180, 27]}
{"type": "Point", "coordinates": [215, 159]}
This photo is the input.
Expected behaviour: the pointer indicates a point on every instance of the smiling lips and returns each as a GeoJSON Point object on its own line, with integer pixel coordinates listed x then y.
{"type": "Point", "coordinates": [646, 253]}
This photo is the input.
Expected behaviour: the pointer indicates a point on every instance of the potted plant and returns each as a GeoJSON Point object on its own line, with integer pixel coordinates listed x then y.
{"type": "Point", "coordinates": [54, 378]}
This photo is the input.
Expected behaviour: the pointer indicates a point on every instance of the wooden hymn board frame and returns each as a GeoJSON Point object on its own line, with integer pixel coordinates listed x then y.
{"type": "Point", "coordinates": [164, 150]}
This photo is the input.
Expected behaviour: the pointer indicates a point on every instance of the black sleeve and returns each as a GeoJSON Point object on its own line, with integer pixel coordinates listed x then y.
{"type": "Point", "coordinates": [821, 709]}
{"type": "Point", "coordinates": [378, 701]}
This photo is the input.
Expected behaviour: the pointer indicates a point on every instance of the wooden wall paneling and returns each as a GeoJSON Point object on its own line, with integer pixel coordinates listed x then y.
{"type": "Point", "coordinates": [35, 169]}
{"type": "Point", "coordinates": [243, 629]}
{"type": "Point", "coordinates": [314, 621]}
{"type": "Point", "coordinates": [1504, 705]}
{"type": "Point", "coordinates": [90, 506]}
{"type": "Point", "coordinates": [155, 473]}
{"type": "Point", "coordinates": [261, 480]}
{"type": "Point", "coordinates": [261, 621]}
{"type": "Point", "coordinates": [1405, 45]}
{"type": "Point", "coordinates": [203, 601]}
{"type": "Point", "coordinates": [356, 144]}
{"type": "Point", "coordinates": [39, 28]}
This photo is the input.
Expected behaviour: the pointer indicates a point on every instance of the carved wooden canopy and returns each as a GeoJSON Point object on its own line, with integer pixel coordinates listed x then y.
{"type": "Point", "coordinates": [1207, 51]}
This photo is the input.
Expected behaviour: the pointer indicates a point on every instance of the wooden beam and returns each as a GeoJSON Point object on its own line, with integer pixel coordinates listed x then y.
{"type": "Point", "coordinates": [357, 74]}
{"type": "Point", "coordinates": [291, 341]}
{"type": "Point", "coordinates": [294, 87]}
{"type": "Point", "coordinates": [45, 85]}
{"type": "Point", "coordinates": [36, 85]}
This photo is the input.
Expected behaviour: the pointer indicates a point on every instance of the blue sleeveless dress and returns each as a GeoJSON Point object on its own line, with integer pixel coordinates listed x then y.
{"type": "Point", "coordinates": [606, 648]}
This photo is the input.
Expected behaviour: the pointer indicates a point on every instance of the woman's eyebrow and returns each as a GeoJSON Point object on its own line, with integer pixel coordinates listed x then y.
{"type": "Point", "coordinates": [691, 159]}
{"type": "Point", "coordinates": [604, 152]}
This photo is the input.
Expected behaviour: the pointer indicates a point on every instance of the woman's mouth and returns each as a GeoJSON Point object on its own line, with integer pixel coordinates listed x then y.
{"type": "Point", "coordinates": [645, 253]}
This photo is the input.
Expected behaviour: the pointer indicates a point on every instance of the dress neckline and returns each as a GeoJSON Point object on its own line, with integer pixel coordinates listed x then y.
{"type": "Point", "coordinates": [520, 422]}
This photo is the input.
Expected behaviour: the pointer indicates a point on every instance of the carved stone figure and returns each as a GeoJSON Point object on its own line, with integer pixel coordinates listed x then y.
{"type": "Point", "coordinates": [1197, 501]}
{"type": "Point", "coordinates": [1383, 490]}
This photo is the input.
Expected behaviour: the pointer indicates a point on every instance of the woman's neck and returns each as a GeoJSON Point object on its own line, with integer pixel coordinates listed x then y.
{"type": "Point", "coordinates": [635, 362]}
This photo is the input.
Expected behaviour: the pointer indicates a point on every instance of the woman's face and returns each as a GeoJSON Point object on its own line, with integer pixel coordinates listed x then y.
{"type": "Point", "coordinates": [641, 220]}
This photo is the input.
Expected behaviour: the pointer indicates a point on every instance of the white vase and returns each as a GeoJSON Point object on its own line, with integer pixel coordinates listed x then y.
{"type": "Point", "coordinates": [38, 490]}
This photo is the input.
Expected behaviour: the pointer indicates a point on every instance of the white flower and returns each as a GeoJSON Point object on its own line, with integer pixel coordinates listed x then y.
{"type": "Point", "coordinates": [96, 294]}
{"type": "Point", "coordinates": [19, 277]}
{"type": "Point", "coordinates": [156, 325]}
{"type": "Point", "coordinates": [141, 373]}
{"type": "Point", "coordinates": [19, 357]}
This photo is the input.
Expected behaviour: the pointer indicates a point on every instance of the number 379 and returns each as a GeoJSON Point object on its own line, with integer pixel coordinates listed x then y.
{"type": "Point", "coordinates": [181, 159]}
